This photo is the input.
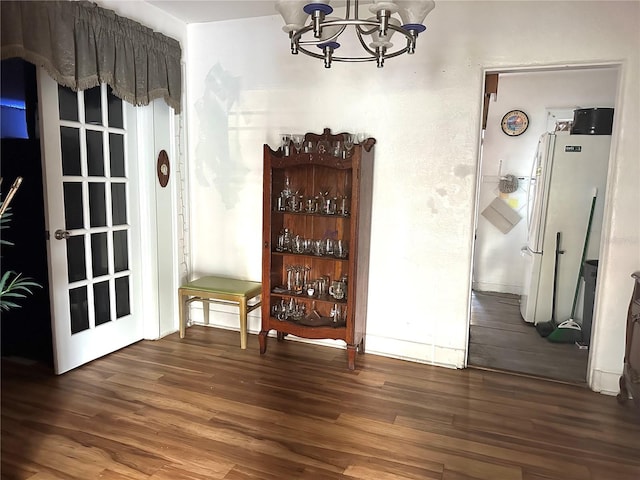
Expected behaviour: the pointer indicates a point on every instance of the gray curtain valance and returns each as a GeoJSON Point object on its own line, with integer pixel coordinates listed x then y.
{"type": "Point", "coordinates": [82, 45]}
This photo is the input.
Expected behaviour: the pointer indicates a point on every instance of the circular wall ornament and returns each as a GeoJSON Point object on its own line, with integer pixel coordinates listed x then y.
{"type": "Point", "coordinates": [163, 168]}
{"type": "Point", "coordinates": [515, 123]}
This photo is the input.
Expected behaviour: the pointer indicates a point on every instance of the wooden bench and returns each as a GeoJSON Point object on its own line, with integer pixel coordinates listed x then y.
{"type": "Point", "coordinates": [214, 289]}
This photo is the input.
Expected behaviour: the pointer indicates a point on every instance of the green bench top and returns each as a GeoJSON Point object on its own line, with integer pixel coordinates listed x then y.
{"type": "Point", "coordinates": [225, 285]}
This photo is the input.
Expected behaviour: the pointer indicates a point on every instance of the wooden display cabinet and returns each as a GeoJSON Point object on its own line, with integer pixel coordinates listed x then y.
{"type": "Point", "coordinates": [316, 230]}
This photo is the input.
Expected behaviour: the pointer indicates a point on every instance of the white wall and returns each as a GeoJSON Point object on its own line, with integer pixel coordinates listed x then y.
{"type": "Point", "coordinates": [425, 112]}
{"type": "Point", "coordinates": [498, 265]}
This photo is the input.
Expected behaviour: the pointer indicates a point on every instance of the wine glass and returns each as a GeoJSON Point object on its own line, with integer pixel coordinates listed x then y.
{"type": "Point", "coordinates": [324, 192]}
{"type": "Point", "coordinates": [337, 148]}
{"type": "Point", "coordinates": [286, 191]}
{"type": "Point", "coordinates": [285, 138]}
{"type": "Point", "coordinates": [362, 136]}
{"type": "Point", "coordinates": [349, 140]}
{"type": "Point", "coordinates": [322, 146]}
{"type": "Point", "coordinates": [297, 142]}
{"type": "Point", "coordinates": [324, 196]}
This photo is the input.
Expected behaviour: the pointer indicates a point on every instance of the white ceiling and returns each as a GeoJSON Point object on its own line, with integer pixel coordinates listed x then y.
{"type": "Point", "coordinates": [202, 11]}
{"type": "Point", "coordinates": [199, 11]}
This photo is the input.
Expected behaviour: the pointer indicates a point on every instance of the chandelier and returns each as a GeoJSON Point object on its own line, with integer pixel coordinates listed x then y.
{"type": "Point", "coordinates": [311, 25]}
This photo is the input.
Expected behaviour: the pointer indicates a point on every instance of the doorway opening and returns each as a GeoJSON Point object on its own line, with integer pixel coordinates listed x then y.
{"type": "Point", "coordinates": [26, 331]}
{"type": "Point", "coordinates": [499, 337]}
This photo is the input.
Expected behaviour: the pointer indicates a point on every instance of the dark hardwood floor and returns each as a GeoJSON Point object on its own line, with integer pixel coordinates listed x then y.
{"type": "Point", "coordinates": [501, 340]}
{"type": "Point", "coordinates": [202, 408]}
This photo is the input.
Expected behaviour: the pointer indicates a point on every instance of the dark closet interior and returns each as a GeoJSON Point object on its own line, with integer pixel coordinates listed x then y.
{"type": "Point", "coordinates": [26, 331]}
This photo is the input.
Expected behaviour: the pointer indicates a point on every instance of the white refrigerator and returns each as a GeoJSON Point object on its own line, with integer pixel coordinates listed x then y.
{"type": "Point", "coordinates": [568, 171]}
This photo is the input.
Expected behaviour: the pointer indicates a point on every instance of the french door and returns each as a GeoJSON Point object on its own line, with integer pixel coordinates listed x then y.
{"type": "Point", "coordinates": [87, 139]}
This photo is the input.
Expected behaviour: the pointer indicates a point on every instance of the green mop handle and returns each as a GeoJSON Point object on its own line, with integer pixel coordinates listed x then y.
{"type": "Point", "coordinates": [584, 251]}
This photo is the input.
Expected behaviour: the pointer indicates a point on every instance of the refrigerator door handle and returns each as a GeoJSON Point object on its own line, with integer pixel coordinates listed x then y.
{"type": "Point", "coordinates": [526, 250]}
{"type": "Point", "coordinates": [530, 189]}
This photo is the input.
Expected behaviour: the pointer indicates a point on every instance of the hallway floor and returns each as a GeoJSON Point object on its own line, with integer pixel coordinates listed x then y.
{"type": "Point", "coordinates": [501, 340]}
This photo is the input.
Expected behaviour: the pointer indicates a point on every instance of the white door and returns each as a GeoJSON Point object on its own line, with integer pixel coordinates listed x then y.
{"type": "Point", "coordinates": [87, 141]}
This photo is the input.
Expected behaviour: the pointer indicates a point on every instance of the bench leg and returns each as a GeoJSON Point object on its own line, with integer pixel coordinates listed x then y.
{"type": "Point", "coordinates": [205, 311]}
{"type": "Point", "coordinates": [243, 324]}
{"type": "Point", "coordinates": [182, 313]}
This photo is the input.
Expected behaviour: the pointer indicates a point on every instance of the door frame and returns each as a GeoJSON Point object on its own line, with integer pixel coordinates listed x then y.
{"type": "Point", "coordinates": [160, 256]}
{"type": "Point", "coordinates": [608, 208]}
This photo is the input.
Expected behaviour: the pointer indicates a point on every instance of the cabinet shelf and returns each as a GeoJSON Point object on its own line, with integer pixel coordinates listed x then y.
{"type": "Point", "coordinates": [286, 327]}
{"type": "Point", "coordinates": [304, 297]}
{"type": "Point", "coordinates": [309, 159]}
{"type": "Point", "coordinates": [308, 324]}
{"type": "Point", "coordinates": [295, 185]}
{"type": "Point", "coordinates": [311, 256]}
{"type": "Point", "coordinates": [307, 214]}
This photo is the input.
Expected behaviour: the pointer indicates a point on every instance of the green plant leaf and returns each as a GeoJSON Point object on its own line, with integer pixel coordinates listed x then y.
{"type": "Point", "coordinates": [14, 288]}
{"type": "Point", "coordinates": [3, 280]}
{"type": "Point", "coordinates": [14, 294]}
{"type": "Point", "coordinates": [12, 285]}
{"type": "Point", "coordinates": [4, 223]}
{"type": "Point", "coordinates": [4, 305]}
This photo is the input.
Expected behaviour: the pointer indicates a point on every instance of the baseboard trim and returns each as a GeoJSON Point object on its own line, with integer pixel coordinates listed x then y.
{"type": "Point", "coordinates": [603, 382]}
{"type": "Point", "coordinates": [426, 353]}
{"type": "Point", "coordinates": [497, 287]}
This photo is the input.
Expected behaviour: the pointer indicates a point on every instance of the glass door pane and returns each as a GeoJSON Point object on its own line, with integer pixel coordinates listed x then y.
{"type": "Point", "coordinates": [96, 204]}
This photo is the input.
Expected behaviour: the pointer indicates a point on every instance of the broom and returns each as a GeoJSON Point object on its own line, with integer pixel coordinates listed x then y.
{"type": "Point", "coordinates": [570, 331]}
{"type": "Point", "coordinates": [545, 328]}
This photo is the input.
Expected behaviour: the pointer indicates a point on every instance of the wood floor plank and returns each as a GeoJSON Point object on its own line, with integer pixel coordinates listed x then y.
{"type": "Point", "coordinates": [202, 408]}
{"type": "Point", "coordinates": [499, 339]}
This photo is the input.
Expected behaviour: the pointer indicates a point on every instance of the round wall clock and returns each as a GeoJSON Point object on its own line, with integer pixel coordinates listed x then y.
{"type": "Point", "coordinates": [515, 123]}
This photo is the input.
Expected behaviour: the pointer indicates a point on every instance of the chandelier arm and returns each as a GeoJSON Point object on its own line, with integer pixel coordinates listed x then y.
{"type": "Point", "coordinates": [353, 59]}
{"type": "Point", "coordinates": [338, 59]}
{"type": "Point", "coordinates": [328, 39]}
{"type": "Point", "coordinates": [395, 54]}
{"type": "Point", "coordinates": [348, 10]}
{"type": "Point", "coordinates": [359, 33]}
{"type": "Point", "coordinates": [350, 21]}
{"type": "Point", "coordinates": [297, 37]}
{"type": "Point", "coordinates": [366, 32]}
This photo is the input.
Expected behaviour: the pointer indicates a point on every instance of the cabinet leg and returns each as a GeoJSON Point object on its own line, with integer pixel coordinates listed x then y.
{"type": "Point", "coordinates": [351, 356]}
{"type": "Point", "coordinates": [280, 336]}
{"type": "Point", "coordinates": [361, 346]}
{"type": "Point", "coordinates": [262, 339]}
{"type": "Point", "coordinates": [623, 396]}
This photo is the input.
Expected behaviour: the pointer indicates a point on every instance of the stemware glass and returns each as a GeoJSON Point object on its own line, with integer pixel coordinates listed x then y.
{"type": "Point", "coordinates": [337, 148]}
{"type": "Point", "coordinates": [349, 140]}
{"type": "Point", "coordinates": [324, 192]}
{"type": "Point", "coordinates": [297, 142]}
{"type": "Point", "coordinates": [362, 136]}
{"type": "Point", "coordinates": [285, 138]}
{"type": "Point", "coordinates": [324, 195]}
{"type": "Point", "coordinates": [323, 146]}
{"type": "Point", "coordinates": [286, 191]}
